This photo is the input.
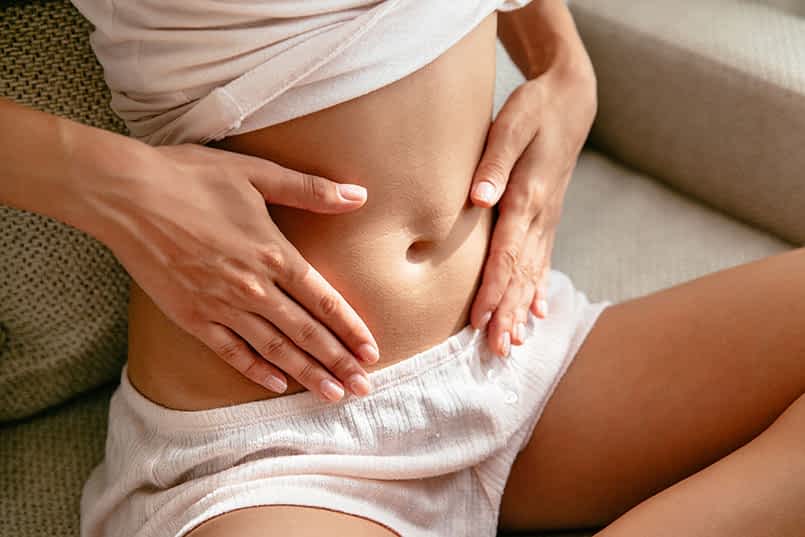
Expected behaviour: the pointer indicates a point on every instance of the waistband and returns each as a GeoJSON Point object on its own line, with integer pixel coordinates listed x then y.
{"type": "Point", "coordinates": [462, 344]}
{"type": "Point", "coordinates": [461, 370]}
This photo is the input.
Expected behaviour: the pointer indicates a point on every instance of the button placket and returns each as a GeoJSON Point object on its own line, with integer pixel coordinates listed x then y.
{"type": "Point", "coordinates": [508, 393]}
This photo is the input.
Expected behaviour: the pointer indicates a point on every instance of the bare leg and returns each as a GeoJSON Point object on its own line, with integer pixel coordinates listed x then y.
{"type": "Point", "coordinates": [758, 490]}
{"type": "Point", "coordinates": [664, 386]}
{"type": "Point", "coordinates": [288, 521]}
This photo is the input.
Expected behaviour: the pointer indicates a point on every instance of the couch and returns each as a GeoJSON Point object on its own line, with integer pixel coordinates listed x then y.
{"type": "Point", "coordinates": [696, 162]}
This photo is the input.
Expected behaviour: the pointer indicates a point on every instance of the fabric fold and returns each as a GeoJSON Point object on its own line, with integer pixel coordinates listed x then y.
{"type": "Point", "coordinates": [202, 71]}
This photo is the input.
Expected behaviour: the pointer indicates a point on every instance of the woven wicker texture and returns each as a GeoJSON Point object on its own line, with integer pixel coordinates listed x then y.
{"type": "Point", "coordinates": [63, 294]}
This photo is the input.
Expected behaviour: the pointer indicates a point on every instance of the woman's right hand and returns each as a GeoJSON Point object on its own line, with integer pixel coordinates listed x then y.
{"type": "Point", "coordinates": [194, 232]}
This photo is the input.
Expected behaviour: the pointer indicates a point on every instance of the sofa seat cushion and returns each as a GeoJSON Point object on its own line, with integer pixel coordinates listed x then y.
{"type": "Point", "coordinates": [708, 96]}
{"type": "Point", "coordinates": [623, 234]}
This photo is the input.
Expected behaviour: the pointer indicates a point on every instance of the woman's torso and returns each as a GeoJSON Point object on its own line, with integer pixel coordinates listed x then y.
{"type": "Point", "coordinates": [409, 261]}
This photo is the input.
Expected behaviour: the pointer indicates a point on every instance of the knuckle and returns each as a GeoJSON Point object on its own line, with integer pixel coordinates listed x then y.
{"type": "Point", "coordinates": [328, 304]}
{"type": "Point", "coordinates": [306, 373]}
{"type": "Point", "coordinates": [314, 187]}
{"type": "Point", "coordinates": [273, 347]}
{"type": "Point", "coordinates": [536, 194]}
{"type": "Point", "coordinates": [532, 276]}
{"type": "Point", "coordinates": [508, 257]}
{"type": "Point", "coordinates": [508, 318]}
{"type": "Point", "coordinates": [254, 371]}
{"type": "Point", "coordinates": [340, 363]}
{"type": "Point", "coordinates": [249, 287]}
{"type": "Point", "coordinates": [494, 168]}
{"type": "Point", "coordinates": [515, 203]}
{"type": "Point", "coordinates": [272, 257]}
{"type": "Point", "coordinates": [509, 128]}
{"type": "Point", "coordinates": [307, 332]}
{"type": "Point", "coordinates": [522, 274]}
{"type": "Point", "coordinates": [230, 350]}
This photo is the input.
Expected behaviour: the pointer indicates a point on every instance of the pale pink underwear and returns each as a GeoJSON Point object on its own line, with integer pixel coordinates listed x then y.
{"type": "Point", "coordinates": [427, 453]}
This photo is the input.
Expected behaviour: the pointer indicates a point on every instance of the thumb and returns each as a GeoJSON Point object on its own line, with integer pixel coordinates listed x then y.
{"type": "Point", "coordinates": [508, 137]}
{"type": "Point", "coordinates": [283, 186]}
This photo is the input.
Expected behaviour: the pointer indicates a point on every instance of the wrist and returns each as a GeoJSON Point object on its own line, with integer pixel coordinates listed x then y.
{"type": "Point", "coordinates": [102, 167]}
{"type": "Point", "coordinates": [570, 61]}
{"type": "Point", "coordinates": [542, 39]}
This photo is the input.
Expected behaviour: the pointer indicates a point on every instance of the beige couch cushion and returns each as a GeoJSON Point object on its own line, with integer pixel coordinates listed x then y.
{"type": "Point", "coordinates": [797, 7]}
{"type": "Point", "coordinates": [707, 95]}
{"type": "Point", "coordinates": [624, 235]}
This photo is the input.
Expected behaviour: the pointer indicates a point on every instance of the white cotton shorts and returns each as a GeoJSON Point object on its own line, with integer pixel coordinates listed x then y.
{"type": "Point", "coordinates": [427, 453]}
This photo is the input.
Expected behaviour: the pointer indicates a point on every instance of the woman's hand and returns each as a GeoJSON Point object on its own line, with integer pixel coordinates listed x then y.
{"type": "Point", "coordinates": [190, 225]}
{"type": "Point", "coordinates": [531, 151]}
{"type": "Point", "coordinates": [194, 232]}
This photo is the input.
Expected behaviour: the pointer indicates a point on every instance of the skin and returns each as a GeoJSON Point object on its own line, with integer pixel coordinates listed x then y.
{"type": "Point", "coordinates": [531, 150]}
{"type": "Point", "coordinates": [205, 258]}
{"type": "Point", "coordinates": [417, 236]}
{"type": "Point", "coordinates": [614, 446]}
{"type": "Point", "coordinates": [682, 414]}
{"type": "Point", "coordinates": [715, 452]}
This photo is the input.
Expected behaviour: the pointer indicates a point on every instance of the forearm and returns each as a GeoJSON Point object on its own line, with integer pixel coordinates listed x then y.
{"type": "Point", "coordinates": [56, 167]}
{"type": "Point", "coordinates": [542, 37]}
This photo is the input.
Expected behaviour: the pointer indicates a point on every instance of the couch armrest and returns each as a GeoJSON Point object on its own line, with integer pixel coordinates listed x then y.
{"type": "Point", "coordinates": [708, 96]}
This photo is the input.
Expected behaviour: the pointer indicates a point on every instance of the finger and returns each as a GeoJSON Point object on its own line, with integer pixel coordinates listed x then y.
{"type": "Point", "coordinates": [523, 304]}
{"type": "Point", "coordinates": [503, 257]}
{"type": "Point", "coordinates": [539, 303]}
{"type": "Point", "coordinates": [301, 281]}
{"type": "Point", "coordinates": [536, 239]}
{"type": "Point", "coordinates": [278, 349]}
{"type": "Point", "coordinates": [313, 338]}
{"type": "Point", "coordinates": [514, 127]}
{"type": "Point", "coordinates": [505, 248]}
{"type": "Point", "coordinates": [235, 352]}
{"type": "Point", "coordinates": [524, 198]}
{"type": "Point", "coordinates": [518, 334]}
{"type": "Point", "coordinates": [283, 186]}
{"type": "Point", "coordinates": [505, 328]}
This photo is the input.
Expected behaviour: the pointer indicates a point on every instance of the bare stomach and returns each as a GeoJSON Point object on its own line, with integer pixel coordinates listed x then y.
{"type": "Point", "coordinates": [409, 261]}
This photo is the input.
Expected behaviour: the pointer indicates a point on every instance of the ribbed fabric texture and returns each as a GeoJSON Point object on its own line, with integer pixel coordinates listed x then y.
{"type": "Point", "coordinates": [200, 71]}
{"type": "Point", "coordinates": [428, 452]}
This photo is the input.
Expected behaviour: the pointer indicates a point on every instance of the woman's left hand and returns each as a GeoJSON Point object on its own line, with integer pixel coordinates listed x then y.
{"type": "Point", "coordinates": [531, 151]}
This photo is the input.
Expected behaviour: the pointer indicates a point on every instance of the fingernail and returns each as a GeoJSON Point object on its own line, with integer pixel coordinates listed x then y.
{"type": "Point", "coordinates": [519, 328]}
{"type": "Point", "coordinates": [368, 353]}
{"type": "Point", "coordinates": [485, 191]}
{"type": "Point", "coordinates": [275, 384]}
{"type": "Point", "coordinates": [359, 384]}
{"type": "Point", "coordinates": [485, 319]}
{"type": "Point", "coordinates": [331, 390]}
{"type": "Point", "coordinates": [542, 307]}
{"type": "Point", "coordinates": [506, 343]}
{"type": "Point", "coordinates": [352, 192]}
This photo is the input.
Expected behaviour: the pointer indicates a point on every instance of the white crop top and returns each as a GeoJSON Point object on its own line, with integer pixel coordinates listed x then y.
{"type": "Point", "coordinates": [203, 70]}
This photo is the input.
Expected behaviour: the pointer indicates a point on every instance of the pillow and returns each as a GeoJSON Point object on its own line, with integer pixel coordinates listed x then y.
{"type": "Point", "coordinates": [63, 294]}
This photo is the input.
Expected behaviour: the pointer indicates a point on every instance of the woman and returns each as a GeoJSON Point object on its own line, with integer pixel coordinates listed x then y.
{"type": "Point", "coordinates": [444, 443]}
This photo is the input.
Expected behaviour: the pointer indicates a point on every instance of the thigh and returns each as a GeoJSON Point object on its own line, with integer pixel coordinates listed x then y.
{"type": "Point", "coordinates": [288, 521]}
{"type": "Point", "coordinates": [664, 385]}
